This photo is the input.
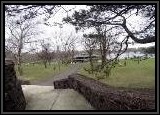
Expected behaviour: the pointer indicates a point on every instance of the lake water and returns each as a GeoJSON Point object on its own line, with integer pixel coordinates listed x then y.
{"type": "Point", "coordinates": [130, 55]}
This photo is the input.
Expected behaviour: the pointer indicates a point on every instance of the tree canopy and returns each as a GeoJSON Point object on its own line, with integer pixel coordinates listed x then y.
{"type": "Point", "coordinates": [117, 15]}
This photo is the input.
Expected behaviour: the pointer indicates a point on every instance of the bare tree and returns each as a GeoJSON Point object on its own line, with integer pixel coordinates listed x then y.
{"type": "Point", "coordinates": [90, 45]}
{"type": "Point", "coordinates": [20, 33]}
{"type": "Point", "coordinates": [107, 42]}
{"type": "Point", "coordinates": [45, 55]}
{"type": "Point", "coordinates": [68, 48]}
{"type": "Point", "coordinates": [71, 47]}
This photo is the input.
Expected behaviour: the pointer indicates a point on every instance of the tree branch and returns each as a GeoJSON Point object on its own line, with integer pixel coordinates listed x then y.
{"type": "Point", "coordinates": [148, 39]}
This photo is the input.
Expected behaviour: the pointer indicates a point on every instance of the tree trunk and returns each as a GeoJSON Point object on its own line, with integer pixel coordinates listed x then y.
{"type": "Point", "coordinates": [72, 56]}
{"type": "Point", "coordinates": [103, 53]}
{"type": "Point", "coordinates": [59, 65]}
{"type": "Point", "coordinates": [90, 60]}
{"type": "Point", "coordinates": [45, 64]}
{"type": "Point", "coordinates": [91, 64]}
{"type": "Point", "coordinates": [49, 62]}
{"type": "Point", "coordinates": [20, 70]}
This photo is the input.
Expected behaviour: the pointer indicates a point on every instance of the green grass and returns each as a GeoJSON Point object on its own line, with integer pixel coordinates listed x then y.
{"type": "Point", "coordinates": [133, 75]}
{"type": "Point", "coordinates": [39, 72]}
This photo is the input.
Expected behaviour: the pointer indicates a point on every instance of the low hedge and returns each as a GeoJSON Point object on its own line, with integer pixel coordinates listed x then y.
{"type": "Point", "coordinates": [104, 97]}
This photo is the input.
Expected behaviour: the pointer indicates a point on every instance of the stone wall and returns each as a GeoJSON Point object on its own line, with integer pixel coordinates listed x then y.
{"type": "Point", "coordinates": [103, 97]}
{"type": "Point", "coordinates": [14, 97]}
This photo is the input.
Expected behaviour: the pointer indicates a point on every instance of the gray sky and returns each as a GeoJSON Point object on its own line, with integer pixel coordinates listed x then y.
{"type": "Point", "coordinates": [52, 34]}
{"type": "Point", "coordinates": [69, 28]}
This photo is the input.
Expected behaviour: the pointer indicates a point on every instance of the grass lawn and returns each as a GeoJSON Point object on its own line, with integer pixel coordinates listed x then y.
{"type": "Point", "coordinates": [133, 75]}
{"type": "Point", "coordinates": [39, 72]}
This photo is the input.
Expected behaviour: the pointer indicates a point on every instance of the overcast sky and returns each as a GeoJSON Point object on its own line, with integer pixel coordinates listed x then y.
{"type": "Point", "coordinates": [51, 32]}
{"type": "Point", "coordinates": [67, 29]}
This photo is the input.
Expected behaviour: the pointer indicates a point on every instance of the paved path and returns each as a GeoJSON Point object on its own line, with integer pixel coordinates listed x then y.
{"type": "Point", "coordinates": [64, 74]}
{"type": "Point", "coordinates": [41, 95]}
{"type": "Point", "coordinates": [48, 98]}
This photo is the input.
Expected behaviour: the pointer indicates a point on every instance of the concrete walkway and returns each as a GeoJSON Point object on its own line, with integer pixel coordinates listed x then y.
{"type": "Point", "coordinates": [48, 98]}
{"type": "Point", "coordinates": [41, 95]}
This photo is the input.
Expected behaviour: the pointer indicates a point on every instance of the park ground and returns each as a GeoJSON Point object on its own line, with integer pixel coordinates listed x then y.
{"type": "Point", "coordinates": [41, 95]}
{"type": "Point", "coordinates": [133, 75]}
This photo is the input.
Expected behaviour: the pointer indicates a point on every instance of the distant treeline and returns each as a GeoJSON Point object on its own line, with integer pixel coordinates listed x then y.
{"type": "Point", "coordinates": [31, 57]}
